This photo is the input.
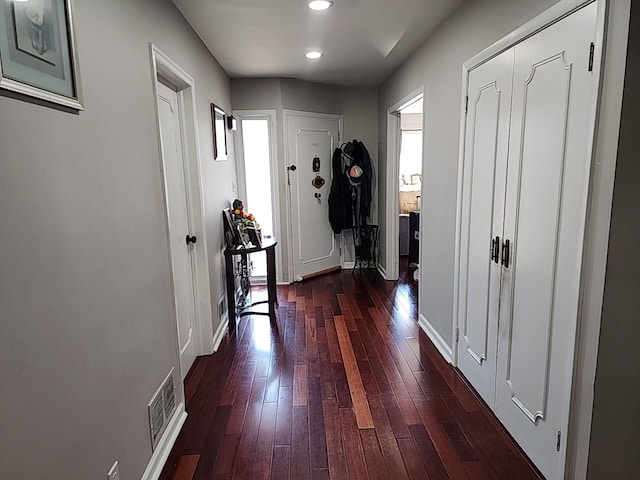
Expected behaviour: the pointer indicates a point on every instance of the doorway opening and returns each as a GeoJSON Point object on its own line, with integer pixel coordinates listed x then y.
{"type": "Point", "coordinates": [405, 140]}
{"type": "Point", "coordinates": [410, 186]}
{"type": "Point", "coordinates": [256, 175]}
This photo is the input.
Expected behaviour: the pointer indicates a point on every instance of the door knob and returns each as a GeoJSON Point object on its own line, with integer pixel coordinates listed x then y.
{"type": "Point", "coordinates": [191, 239]}
{"type": "Point", "coordinates": [292, 168]}
{"type": "Point", "coordinates": [506, 253]}
{"type": "Point", "coordinates": [495, 249]}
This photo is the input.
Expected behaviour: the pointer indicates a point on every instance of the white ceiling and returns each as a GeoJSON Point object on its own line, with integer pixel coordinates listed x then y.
{"type": "Point", "coordinates": [363, 41]}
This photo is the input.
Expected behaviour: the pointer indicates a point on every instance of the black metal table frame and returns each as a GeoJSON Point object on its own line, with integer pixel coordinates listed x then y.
{"type": "Point", "coordinates": [268, 246]}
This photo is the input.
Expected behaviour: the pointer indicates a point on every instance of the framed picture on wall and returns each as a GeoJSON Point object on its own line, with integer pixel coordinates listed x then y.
{"type": "Point", "coordinates": [219, 133]}
{"type": "Point", "coordinates": [38, 51]}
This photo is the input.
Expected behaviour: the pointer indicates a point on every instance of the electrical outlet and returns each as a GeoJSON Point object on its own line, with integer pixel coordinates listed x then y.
{"type": "Point", "coordinates": [114, 473]}
{"type": "Point", "coordinates": [234, 187]}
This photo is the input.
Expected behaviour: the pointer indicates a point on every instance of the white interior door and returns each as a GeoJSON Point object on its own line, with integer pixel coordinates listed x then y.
{"type": "Point", "coordinates": [485, 169]}
{"type": "Point", "coordinates": [179, 228]}
{"type": "Point", "coordinates": [547, 189]}
{"type": "Point", "coordinates": [315, 248]}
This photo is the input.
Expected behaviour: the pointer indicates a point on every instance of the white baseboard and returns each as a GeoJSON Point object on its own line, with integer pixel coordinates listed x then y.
{"type": "Point", "coordinates": [221, 331]}
{"type": "Point", "coordinates": [161, 453]}
{"type": "Point", "coordinates": [434, 336]}
{"type": "Point", "coordinates": [348, 265]}
{"type": "Point", "coordinates": [382, 271]}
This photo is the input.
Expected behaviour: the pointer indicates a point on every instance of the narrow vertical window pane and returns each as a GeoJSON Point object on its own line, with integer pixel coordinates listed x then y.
{"type": "Point", "coordinates": [257, 152]}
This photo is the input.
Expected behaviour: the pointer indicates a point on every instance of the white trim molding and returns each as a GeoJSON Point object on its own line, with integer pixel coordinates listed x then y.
{"type": "Point", "coordinates": [163, 449]}
{"type": "Point", "coordinates": [382, 271]}
{"type": "Point", "coordinates": [221, 331]}
{"type": "Point", "coordinates": [439, 342]}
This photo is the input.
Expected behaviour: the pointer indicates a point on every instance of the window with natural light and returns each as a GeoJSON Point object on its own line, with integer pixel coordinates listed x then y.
{"type": "Point", "coordinates": [257, 166]}
{"type": "Point", "coordinates": [410, 170]}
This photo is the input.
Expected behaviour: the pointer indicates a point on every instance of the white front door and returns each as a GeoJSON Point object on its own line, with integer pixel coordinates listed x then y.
{"type": "Point", "coordinates": [547, 189]}
{"type": "Point", "coordinates": [311, 140]}
{"type": "Point", "coordinates": [179, 228]}
{"type": "Point", "coordinates": [485, 169]}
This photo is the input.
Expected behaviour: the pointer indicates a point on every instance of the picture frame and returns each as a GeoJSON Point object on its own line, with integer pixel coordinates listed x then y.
{"type": "Point", "coordinates": [231, 233]}
{"type": "Point", "coordinates": [219, 133]}
{"type": "Point", "coordinates": [38, 54]}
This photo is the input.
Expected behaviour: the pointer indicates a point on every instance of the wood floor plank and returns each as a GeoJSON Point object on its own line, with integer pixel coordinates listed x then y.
{"type": "Point", "coordinates": [265, 444]}
{"type": "Point", "coordinates": [411, 458]}
{"type": "Point", "coordinates": [284, 416]}
{"type": "Point", "coordinates": [250, 427]}
{"type": "Point", "coordinates": [440, 440]}
{"type": "Point", "coordinates": [406, 405]}
{"type": "Point", "coordinates": [358, 394]}
{"type": "Point", "coordinates": [326, 378]}
{"type": "Point", "coordinates": [429, 455]}
{"type": "Point", "coordinates": [387, 438]}
{"type": "Point", "coordinates": [212, 444]}
{"type": "Point", "coordinates": [332, 340]}
{"type": "Point", "coordinates": [300, 387]}
{"type": "Point", "coordinates": [318, 458]}
{"type": "Point", "coordinates": [300, 465]}
{"type": "Point", "coordinates": [186, 467]}
{"type": "Point", "coordinates": [352, 444]}
{"type": "Point", "coordinates": [227, 455]}
{"type": "Point", "coordinates": [342, 385]}
{"type": "Point", "coordinates": [373, 455]}
{"type": "Point", "coordinates": [281, 463]}
{"type": "Point", "coordinates": [333, 429]}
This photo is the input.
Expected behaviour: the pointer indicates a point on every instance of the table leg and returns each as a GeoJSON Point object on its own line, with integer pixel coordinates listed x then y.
{"type": "Point", "coordinates": [272, 292]}
{"type": "Point", "coordinates": [231, 296]}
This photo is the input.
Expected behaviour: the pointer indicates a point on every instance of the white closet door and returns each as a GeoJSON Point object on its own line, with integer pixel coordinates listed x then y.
{"type": "Point", "coordinates": [547, 186]}
{"type": "Point", "coordinates": [485, 164]}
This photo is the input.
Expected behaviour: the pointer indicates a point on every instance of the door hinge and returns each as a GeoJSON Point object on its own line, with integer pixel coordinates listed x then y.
{"type": "Point", "coordinates": [457, 334]}
{"type": "Point", "coordinates": [592, 49]}
{"type": "Point", "coordinates": [558, 441]}
{"type": "Point", "coordinates": [466, 104]}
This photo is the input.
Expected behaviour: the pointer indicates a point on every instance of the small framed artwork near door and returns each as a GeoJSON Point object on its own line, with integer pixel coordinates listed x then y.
{"type": "Point", "coordinates": [219, 133]}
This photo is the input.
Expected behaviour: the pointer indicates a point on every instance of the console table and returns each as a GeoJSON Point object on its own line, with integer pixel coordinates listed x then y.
{"type": "Point", "coordinates": [268, 246]}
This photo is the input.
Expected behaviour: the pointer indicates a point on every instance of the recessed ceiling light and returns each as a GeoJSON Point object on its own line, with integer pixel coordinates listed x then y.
{"type": "Point", "coordinates": [313, 55]}
{"type": "Point", "coordinates": [320, 4]}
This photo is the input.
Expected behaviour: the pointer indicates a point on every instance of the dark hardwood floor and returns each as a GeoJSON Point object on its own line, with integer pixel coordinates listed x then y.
{"type": "Point", "coordinates": [345, 386]}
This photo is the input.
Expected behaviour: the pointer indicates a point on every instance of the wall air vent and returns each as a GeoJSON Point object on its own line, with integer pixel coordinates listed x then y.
{"type": "Point", "coordinates": [161, 408]}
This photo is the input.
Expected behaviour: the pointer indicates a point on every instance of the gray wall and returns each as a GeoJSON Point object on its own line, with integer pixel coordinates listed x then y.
{"type": "Point", "coordinates": [87, 327]}
{"type": "Point", "coordinates": [475, 25]}
{"type": "Point", "coordinates": [357, 105]}
{"type": "Point", "coordinates": [614, 451]}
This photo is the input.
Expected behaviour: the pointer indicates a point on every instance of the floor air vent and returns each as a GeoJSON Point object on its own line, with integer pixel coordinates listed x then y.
{"type": "Point", "coordinates": [161, 408]}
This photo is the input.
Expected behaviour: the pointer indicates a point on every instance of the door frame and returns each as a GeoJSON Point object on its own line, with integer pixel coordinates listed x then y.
{"type": "Point", "coordinates": [286, 114]}
{"type": "Point", "coordinates": [602, 153]}
{"type": "Point", "coordinates": [171, 73]}
{"type": "Point", "coordinates": [392, 230]}
{"type": "Point", "coordinates": [270, 116]}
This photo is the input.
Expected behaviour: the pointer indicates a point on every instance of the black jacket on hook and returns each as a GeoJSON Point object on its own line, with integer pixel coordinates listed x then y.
{"type": "Point", "coordinates": [361, 157]}
{"type": "Point", "coordinates": [340, 200]}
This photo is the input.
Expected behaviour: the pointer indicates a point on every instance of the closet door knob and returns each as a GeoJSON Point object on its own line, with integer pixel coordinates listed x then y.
{"type": "Point", "coordinates": [191, 239]}
{"type": "Point", "coordinates": [495, 249]}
